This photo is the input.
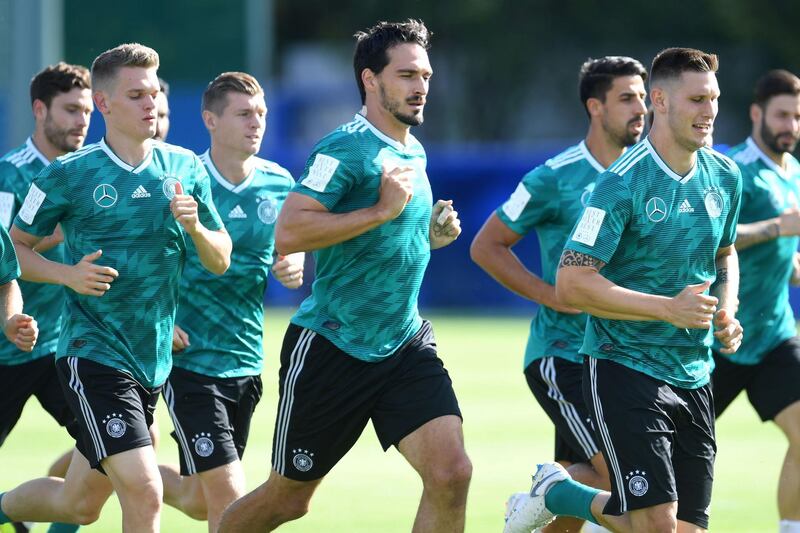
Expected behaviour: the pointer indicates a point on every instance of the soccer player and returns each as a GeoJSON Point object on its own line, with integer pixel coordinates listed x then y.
{"type": "Point", "coordinates": [357, 348]}
{"type": "Point", "coordinates": [61, 100]}
{"type": "Point", "coordinates": [20, 329]}
{"type": "Point", "coordinates": [657, 231]}
{"type": "Point", "coordinates": [218, 356]}
{"type": "Point", "coordinates": [767, 365]}
{"type": "Point", "coordinates": [162, 111]}
{"type": "Point", "coordinates": [127, 205]}
{"type": "Point", "coordinates": [549, 200]}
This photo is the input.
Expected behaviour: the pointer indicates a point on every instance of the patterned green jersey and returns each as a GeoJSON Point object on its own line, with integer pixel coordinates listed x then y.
{"type": "Point", "coordinates": [364, 297]}
{"type": "Point", "coordinates": [43, 301]}
{"type": "Point", "coordinates": [104, 203]}
{"type": "Point", "coordinates": [224, 315]}
{"type": "Point", "coordinates": [765, 269]}
{"type": "Point", "coordinates": [549, 200]}
{"type": "Point", "coordinates": [658, 232]}
{"type": "Point", "coordinates": [9, 268]}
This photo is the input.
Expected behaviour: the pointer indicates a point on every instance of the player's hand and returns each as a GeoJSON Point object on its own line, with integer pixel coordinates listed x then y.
{"type": "Point", "coordinates": [396, 191]}
{"type": "Point", "coordinates": [691, 308]}
{"type": "Point", "coordinates": [789, 222]}
{"type": "Point", "coordinates": [445, 225]}
{"type": "Point", "coordinates": [180, 339]}
{"type": "Point", "coordinates": [90, 279]}
{"type": "Point", "coordinates": [288, 270]}
{"type": "Point", "coordinates": [184, 209]}
{"type": "Point", "coordinates": [728, 331]}
{"type": "Point", "coordinates": [22, 331]}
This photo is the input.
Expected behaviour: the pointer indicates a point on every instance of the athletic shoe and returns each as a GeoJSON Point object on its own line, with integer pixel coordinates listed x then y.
{"type": "Point", "coordinates": [526, 511]}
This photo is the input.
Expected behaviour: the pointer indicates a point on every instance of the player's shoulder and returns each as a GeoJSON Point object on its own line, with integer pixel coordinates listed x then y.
{"type": "Point", "coordinates": [718, 160]}
{"type": "Point", "coordinates": [572, 155]}
{"type": "Point", "coordinates": [744, 153]}
{"type": "Point", "coordinates": [89, 150]}
{"type": "Point", "coordinates": [271, 168]}
{"type": "Point", "coordinates": [634, 158]}
{"type": "Point", "coordinates": [172, 150]}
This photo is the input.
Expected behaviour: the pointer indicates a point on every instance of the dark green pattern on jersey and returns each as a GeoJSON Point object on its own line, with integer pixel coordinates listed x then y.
{"type": "Point", "coordinates": [43, 301]}
{"type": "Point", "coordinates": [765, 269]}
{"type": "Point", "coordinates": [549, 200]}
{"type": "Point", "coordinates": [224, 315]}
{"type": "Point", "coordinates": [103, 203]}
{"type": "Point", "coordinates": [9, 267]}
{"type": "Point", "coordinates": [660, 233]}
{"type": "Point", "coordinates": [364, 297]}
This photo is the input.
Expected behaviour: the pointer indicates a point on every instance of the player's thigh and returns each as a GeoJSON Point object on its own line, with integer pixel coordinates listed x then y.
{"type": "Point", "coordinates": [436, 450]}
{"type": "Point", "coordinates": [774, 387]}
{"type": "Point", "coordinates": [325, 400]}
{"type": "Point", "coordinates": [85, 488]}
{"type": "Point", "coordinates": [134, 473]}
{"type": "Point", "coordinates": [658, 518]}
{"type": "Point", "coordinates": [631, 415]}
{"type": "Point", "coordinates": [727, 381]}
{"type": "Point", "coordinates": [222, 485]}
{"type": "Point", "coordinates": [557, 384]}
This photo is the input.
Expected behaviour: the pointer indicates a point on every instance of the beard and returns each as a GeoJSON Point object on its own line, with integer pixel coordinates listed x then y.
{"type": "Point", "coordinates": [779, 143]}
{"type": "Point", "coordinates": [393, 107]}
{"type": "Point", "coordinates": [60, 137]}
{"type": "Point", "coordinates": [623, 137]}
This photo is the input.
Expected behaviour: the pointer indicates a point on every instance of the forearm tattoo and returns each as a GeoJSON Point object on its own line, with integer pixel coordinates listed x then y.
{"type": "Point", "coordinates": [572, 258]}
{"type": "Point", "coordinates": [722, 275]}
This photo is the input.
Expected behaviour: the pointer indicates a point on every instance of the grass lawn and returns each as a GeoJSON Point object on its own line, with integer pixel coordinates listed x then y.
{"type": "Point", "coordinates": [506, 433]}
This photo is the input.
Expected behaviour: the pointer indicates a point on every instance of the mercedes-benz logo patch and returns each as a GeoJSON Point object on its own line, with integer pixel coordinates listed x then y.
{"type": "Point", "coordinates": [656, 209]}
{"type": "Point", "coordinates": [105, 195]}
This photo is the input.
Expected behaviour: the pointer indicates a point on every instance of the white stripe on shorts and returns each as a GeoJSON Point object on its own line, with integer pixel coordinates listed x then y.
{"type": "Point", "coordinates": [86, 410]}
{"type": "Point", "coordinates": [602, 429]}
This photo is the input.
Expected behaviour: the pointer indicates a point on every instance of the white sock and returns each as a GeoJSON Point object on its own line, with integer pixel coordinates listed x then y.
{"type": "Point", "coordinates": [789, 526]}
{"type": "Point", "coordinates": [591, 527]}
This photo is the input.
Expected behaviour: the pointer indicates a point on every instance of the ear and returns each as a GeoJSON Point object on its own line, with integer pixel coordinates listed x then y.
{"type": "Point", "coordinates": [659, 99]}
{"type": "Point", "coordinates": [370, 80]}
{"type": "Point", "coordinates": [756, 114]}
{"type": "Point", "coordinates": [210, 120]}
{"type": "Point", "coordinates": [100, 101]}
{"type": "Point", "coordinates": [594, 106]}
{"type": "Point", "coordinates": [39, 110]}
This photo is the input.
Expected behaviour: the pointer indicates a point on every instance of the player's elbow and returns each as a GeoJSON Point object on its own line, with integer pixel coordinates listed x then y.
{"type": "Point", "coordinates": [478, 252]}
{"type": "Point", "coordinates": [287, 240]}
{"type": "Point", "coordinates": [569, 288]}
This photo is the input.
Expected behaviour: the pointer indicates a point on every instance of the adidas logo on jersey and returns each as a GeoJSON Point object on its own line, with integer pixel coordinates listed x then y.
{"type": "Point", "coordinates": [685, 207]}
{"type": "Point", "coordinates": [140, 192]}
{"type": "Point", "coordinates": [237, 212]}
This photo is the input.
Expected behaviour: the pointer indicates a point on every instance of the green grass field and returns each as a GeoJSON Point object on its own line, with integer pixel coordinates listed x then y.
{"type": "Point", "coordinates": [506, 433]}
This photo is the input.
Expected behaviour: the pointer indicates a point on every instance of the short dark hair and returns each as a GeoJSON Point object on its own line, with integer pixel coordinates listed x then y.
{"type": "Point", "coordinates": [775, 83]}
{"type": "Point", "coordinates": [163, 86]}
{"type": "Point", "coordinates": [215, 97]}
{"type": "Point", "coordinates": [597, 75]}
{"type": "Point", "coordinates": [106, 65]}
{"type": "Point", "coordinates": [372, 46]}
{"type": "Point", "coordinates": [59, 78]}
{"type": "Point", "coordinates": [672, 62]}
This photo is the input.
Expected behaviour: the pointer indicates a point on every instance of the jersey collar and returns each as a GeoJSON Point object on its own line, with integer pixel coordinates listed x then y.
{"type": "Point", "coordinates": [751, 144]}
{"type": "Point", "coordinates": [122, 164]}
{"type": "Point", "coordinates": [397, 145]}
{"type": "Point", "coordinates": [590, 158]}
{"type": "Point", "coordinates": [215, 173]}
{"type": "Point", "coordinates": [39, 155]}
{"type": "Point", "coordinates": [668, 171]}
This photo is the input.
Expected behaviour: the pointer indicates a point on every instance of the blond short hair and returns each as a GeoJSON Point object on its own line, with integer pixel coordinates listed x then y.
{"type": "Point", "coordinates": [215, 97]}
{"type": "Point", "coordinates": [107, 64]}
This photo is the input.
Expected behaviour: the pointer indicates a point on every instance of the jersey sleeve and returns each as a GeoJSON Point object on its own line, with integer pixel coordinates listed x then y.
{"type": "Point", "coordinates": [330, 173]}
{"type": "Point", "coordinates": [600, 226]}
{"type": "Point", "coordinates": [206, 210]}
{"type": "Point", "coordinates": [46, 202]}
{"type": "Point", "coordinates": [534, 201]}
{"type": "Point", "coordinates": [10, 195]}
{"type": "Point", "coordinates": [9, 267]}
{"type": "Point", "coordinates": [729, 232]}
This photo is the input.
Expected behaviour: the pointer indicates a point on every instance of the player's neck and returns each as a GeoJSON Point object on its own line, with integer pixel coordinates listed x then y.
{"type": "Point", "coordinates": [45, 146]}
{"type": "Point", "coordinates": [231, 165]}
{"type": "Point", "coordinates": [777, 158]}
{"type": "Point", "coordinates": [679, 159]}
{"type": "Point", "coordinates": [385, 122]}
{"type": "Point", "coordinates": [131, 151]}
{"type": "Point", "coordinates": [602, 148]}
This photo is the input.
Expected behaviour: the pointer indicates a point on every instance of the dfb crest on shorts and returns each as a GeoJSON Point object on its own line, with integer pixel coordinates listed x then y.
{"type": "Point", "coordinates": [303, 460]}
{"type": "Point", "coordinates": [115, 426]}
{"type": "Point", "coordinates": [637, 484]}
{"type": "Point", "coordinates": [268, 211]}
{"type": "Point", "coordinates": [203, 445]}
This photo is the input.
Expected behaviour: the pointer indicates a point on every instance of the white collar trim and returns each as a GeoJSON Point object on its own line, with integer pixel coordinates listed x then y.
{"type": "Point", "coordinates": [765, 158]}
{"type": "Point", "coordinates": [668, 171]}
{"type": "Point", "coordinates": [120, 163]}
{"type": "Point", "coordinates": [39, 155]}
{"type": "Point", "coordinates": [217, 175]}
{"type": "Point", "coordinates": [379, 134]}
{"type": "Point", "coordinates": [590, 158]}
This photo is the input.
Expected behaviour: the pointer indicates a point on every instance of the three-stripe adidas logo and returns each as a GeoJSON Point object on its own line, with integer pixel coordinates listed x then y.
{"type": "Point", "coordinates": [685, 207]}
{"type": "Point", "coordinates": [237, 212]}
{"type": "Point", "coordinates": [140, 192]}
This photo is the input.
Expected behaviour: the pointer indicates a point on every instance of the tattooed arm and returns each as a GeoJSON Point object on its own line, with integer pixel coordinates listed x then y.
{"type": "Point", "coordinates": [788, 223]}
{"type": "Point", "coordinates": [580, 284]}
{"type": "Point", "coordinates": [727, 328]}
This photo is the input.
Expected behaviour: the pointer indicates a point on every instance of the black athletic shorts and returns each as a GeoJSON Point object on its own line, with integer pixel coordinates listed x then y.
{"type": "Point", "coordinates": [34, 378]}
{"type": "Point", "coordinates": [327, 397]}
{"type": "Point", "coordinates": [772, 385]}
{"type": "Point", "coordinates": [211, 417]}
{"type": "Point", "coordinates": [557, 385]}
{"type": "Point", "coordinates": [112, 409]}
{"type": "Point", "coordinates": [657, 439]}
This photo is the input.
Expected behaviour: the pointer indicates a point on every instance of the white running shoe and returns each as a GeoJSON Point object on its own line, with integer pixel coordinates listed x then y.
{"type": "Point", "coordinates": [526, 511]}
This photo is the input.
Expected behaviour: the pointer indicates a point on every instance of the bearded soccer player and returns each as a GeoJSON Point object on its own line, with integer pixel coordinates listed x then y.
{"type": "Point", "coordinates": [218, 356]}
{"type": "Point", "coordinates": [549, 200]}
{"type": "Point", "coordinates": [767, 365]}
{"type": "Point", "coordinates": [126, 221]}
{"type": "Point", "coordinates": [357, 349]}
{"type": "Point", "coordinates": [657, 231]}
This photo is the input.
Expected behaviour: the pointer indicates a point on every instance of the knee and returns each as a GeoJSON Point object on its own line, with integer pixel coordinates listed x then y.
{"type": "Point", "coordinates": [195, 507]}
{"type": "Point", "coordinates": [450, 476]}
{"type": "Point", "coordinates": [85, 513]}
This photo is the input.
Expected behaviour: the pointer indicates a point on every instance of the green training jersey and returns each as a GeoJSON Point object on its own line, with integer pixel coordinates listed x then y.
{"type": "Point", "coordinates": [43, 301]}
{"type": "Point", "coordinates": [765, 269]}
{"type": "Point", "coordinates": [657, 232]}
{"type": "Point", "coordinates": [549, 200]}
{"type": "Point", "coordinates": [105, 204]}
{"type": "Point", "coordinates": [364, 297]}
{"type": "Point", "coordinates": [9, 268]}
{"type": "Point", "coordinates": [224, 315]}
